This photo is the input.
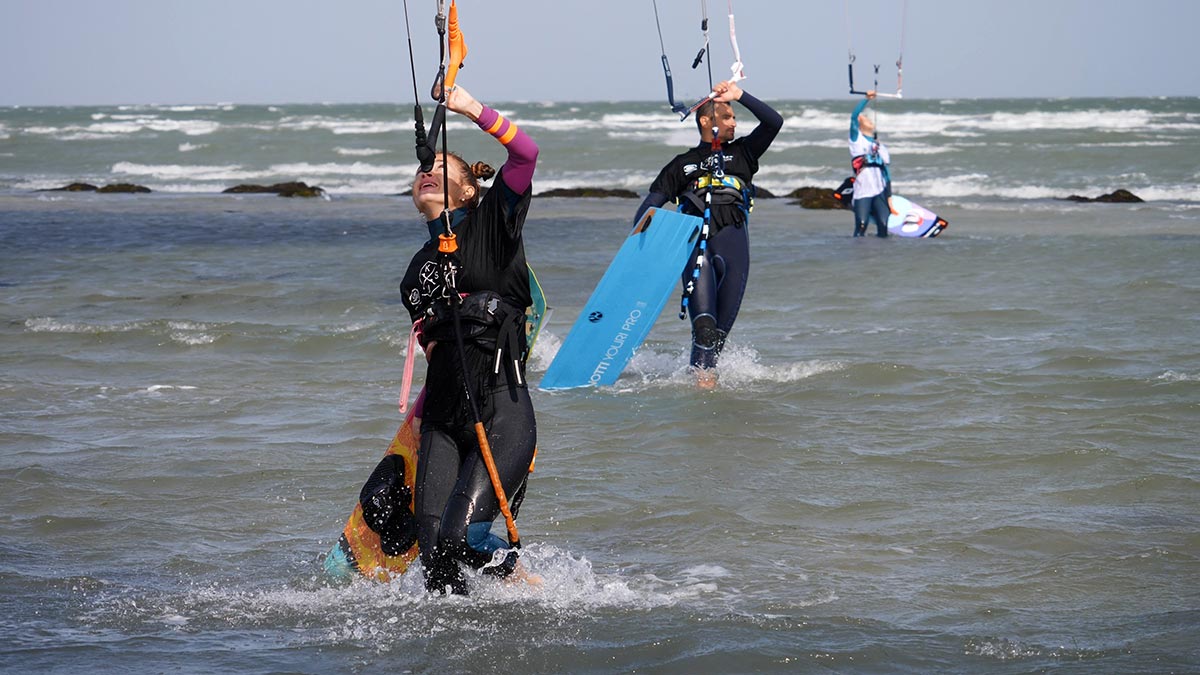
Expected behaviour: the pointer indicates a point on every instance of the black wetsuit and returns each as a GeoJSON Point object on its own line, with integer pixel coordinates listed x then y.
{"type": "Point", "coordinates": [714, 303]}
{"type": "Point", "coordinates": [454, 501]}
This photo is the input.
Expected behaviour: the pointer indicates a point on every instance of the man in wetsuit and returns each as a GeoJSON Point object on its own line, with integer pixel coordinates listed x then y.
{"type": "Point", "coordinates": [725, 166]}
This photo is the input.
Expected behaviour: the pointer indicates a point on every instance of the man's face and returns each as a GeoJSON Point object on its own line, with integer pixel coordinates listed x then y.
{"type": "Point", "coordinates": [725, 122]}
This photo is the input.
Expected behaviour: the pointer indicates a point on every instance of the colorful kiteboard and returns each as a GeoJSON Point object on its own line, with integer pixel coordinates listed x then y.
{"type": "Point", "coordinates": [911, 220]}
{"type": "Point", "coordinates": [906, 220]}
{"type": "Point", "coordinates": [361, 550]}
{"type": "Point", "coordinates": [627, 301]}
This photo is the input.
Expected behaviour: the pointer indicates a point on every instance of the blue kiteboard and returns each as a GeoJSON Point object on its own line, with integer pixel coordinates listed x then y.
{"type": "Point", "coordinates": [626, 302]}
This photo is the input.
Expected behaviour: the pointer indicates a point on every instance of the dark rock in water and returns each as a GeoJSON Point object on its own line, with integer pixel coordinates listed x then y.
{"type": "Point", "coordinates": [73, 187]}
{"type": "Point", "coordinates": [247, 189]}
{"type": "Point", "coordinates": [1115, 197]}
{"type": "Point", "coordinates": [107, 189]}
{"type": "Point", "coordinates": [123, 187]}
{"type": "Point", "coordinates": [299, 190]}
{"type": "Point", "coordinates": [814, 198]}
{"type": "Point", "coordinates": [290, 189]}
{"type": "Point", "coordinates": [589, 192]}
{"type": "Point", "coordinates": [763, 193]}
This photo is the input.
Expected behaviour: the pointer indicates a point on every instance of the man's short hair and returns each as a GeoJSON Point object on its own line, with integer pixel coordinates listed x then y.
{"type": "Point", "coordinates": [707, 109]}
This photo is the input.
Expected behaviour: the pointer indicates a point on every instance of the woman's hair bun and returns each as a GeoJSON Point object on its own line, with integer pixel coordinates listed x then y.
{"type": "Point", "coordinates": [482, 170]}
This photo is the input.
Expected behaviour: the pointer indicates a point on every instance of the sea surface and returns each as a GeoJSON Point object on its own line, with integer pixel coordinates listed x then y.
{"type": "Point", "coordinates": [975, 453]}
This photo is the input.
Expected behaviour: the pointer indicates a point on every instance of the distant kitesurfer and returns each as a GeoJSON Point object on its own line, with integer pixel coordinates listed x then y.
{"type": "Point", "coordinates": [455, 502]}
{"type": "Point", "coordinates": [727, 166]}
{"type": "Point", "coordinates": [872, 182]}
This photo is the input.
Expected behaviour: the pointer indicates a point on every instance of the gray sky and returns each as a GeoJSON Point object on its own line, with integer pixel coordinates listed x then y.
{"type": "Point", "coordinates": [63, 52]}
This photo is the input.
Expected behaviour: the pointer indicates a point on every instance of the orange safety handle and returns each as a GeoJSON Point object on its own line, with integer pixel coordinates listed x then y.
{"type": "Point", "coordinates": [458, 47]}
{"type": "Point", "coordinates": [447, 243]}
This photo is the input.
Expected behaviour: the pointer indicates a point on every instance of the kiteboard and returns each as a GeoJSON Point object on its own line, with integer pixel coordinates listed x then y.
{"type": "Point", "coordinates": [627, 301]}
{"type": "Point", "coordinates": [380, 541]}
{"type": "Point", "coordinates": [361, 549]}
{"type": "Point", "coordinates": [911, 220]}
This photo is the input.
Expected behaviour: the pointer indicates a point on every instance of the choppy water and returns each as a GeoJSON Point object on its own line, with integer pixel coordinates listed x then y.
{"type": "Point", "coordinates": [973, 453]}
{"type": "Point", "coordinates": [953, 151]}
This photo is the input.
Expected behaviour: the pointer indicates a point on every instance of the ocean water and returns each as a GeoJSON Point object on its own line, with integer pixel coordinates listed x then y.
{"type": "Point", "coordinates": [975, 453]}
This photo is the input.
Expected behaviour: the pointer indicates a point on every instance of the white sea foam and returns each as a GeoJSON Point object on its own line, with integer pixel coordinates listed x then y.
{"type": "Point", "coordinates": [341, 127]}
{"type": "Point", "coordinates": [188, 147]}
{"type": "Point", "coordinates": [193, 339]}
{"type": "Point", "coordinates": [630, 181]}
{"type": "Point", "coordinates": [1172, 376]}
{"type": "Point", "coordinates": [901, 149]}
{"type": "Point", "coordinates": [187, 325]}
{"type": "Point", "coordinates": [979, 185]}
{"type": "Point", "coordinates": [333, 169]}
{"type": "Point", "coordinates": [52, 325]}
{"type": "Point", "coordinates": [557, 125]}
{"type": "Point", "coordinates": [739, 369]}
{"type": "Point", "coordinates": [116, 128]}
{"type": "Point", "coordinates": [568, 584]}
{"type": "Point", "coordinates": [788, 170]}
{"type": "Point", "coordinates": [360, 152]}
{"type": "Point", "coordinates": [364, 187]}
{"type": "Point", "coordinates": [1168, 193]}
{"type": "Point", "coordinates": [1124, 120]}
{"type": "Point", "coordinates": [974, 185]}
{"type": "Point", "coordinates": [1130, 144]}
{"type": "Point", "coordinates": [352, 327]}
{"type": "Point", "coordinates": [642, 121]}
{"type": "Point", "coordinates": [894, 122]}
{"type": "Point", "coordinates": [781, 144]}
{"type": "Point", "coordinates": [676, 138]}
{"type": "Point", "coordinates": [896, 148]}
{"type": "Point", "coordinates": [196, 172]}
{"type": "Point", "coordinates": [811, 119]}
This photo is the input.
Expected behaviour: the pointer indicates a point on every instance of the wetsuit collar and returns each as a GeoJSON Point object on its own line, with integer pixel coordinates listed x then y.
{"type": "Point", "coordinates": [436, 227]}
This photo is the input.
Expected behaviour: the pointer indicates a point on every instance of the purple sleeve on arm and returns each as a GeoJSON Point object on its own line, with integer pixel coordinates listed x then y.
{"type": "Point", "coordinates": [522, 152]}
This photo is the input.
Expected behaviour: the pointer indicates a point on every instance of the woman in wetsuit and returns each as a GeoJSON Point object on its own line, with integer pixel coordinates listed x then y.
{"type": "Point", "coordinates": [872, 182]}
{"type": "Point", "coordinates": [716, 297]}
{"type": "Point", "coordinates": [455, 503]}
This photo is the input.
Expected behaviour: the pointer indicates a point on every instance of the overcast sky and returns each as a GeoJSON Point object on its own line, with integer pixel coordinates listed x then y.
{"type": "Point", "coordinates": [88, 52]}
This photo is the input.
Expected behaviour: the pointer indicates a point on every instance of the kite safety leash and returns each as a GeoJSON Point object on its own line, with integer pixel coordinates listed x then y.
{"type": "Point", "coordinates": [714, 177]}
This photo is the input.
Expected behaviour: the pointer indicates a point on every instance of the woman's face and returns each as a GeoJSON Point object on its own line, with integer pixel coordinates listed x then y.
{"type": "Point", "coordinates": [428, 195]}
{"type": "Point", "coordinates": [865, 123]}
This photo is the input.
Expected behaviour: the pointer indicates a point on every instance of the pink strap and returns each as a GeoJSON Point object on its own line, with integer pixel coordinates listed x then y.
{"type": "Point", "coordinates": [406, 380]}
